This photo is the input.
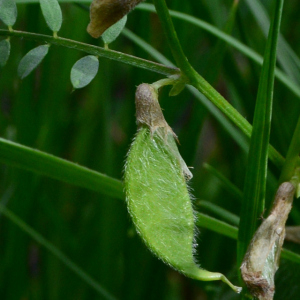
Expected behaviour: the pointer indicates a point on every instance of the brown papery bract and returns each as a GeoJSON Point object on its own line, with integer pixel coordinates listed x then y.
{"type": "Point", "coordinates": [105, 13]}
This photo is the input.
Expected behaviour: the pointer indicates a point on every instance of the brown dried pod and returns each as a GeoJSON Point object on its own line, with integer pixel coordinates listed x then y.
{"type": "Point", "coordinates": [105, 13]}
{"type": "Point", "coordinates": [262, 258]}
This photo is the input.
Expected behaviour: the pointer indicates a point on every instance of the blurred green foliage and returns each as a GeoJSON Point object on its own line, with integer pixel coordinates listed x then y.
{"type": "Point", "coordinates": [94, 127]}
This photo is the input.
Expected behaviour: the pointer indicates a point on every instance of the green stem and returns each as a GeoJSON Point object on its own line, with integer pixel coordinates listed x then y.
{"type": "Point", "coordinates": [217, 99]}
{"type": "Point", "coordinates": [200, 83]}
{"type": "Point", "coordinates": [98, 51]}
{"type": "Point", "coordinates": [168, 27]}
{"type": "Point", "coordinates": [248, 52]}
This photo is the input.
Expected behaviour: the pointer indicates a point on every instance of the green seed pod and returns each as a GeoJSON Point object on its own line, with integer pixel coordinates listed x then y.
{"type": "Point", "coordinates": [105, 13]}
{"type": "Point", "coordinates": [156, 190]}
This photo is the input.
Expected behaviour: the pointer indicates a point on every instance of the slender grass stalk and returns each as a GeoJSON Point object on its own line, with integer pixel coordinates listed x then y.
{"type": "Point", "coordinates": [219, 211]}
{"type": "Point", "coordinates": [287, 58]}
{"type": "Point", "coordinates": [256, 175]}
{"type": "Point", "coordinates": [56, 252]}
{"type": "Point", "coordinates": [200, 83]}
{"type": "Point", "coordinates": [233, 42]}
{"type": "Point", "coordinates": [20, 156]}
{"type": "Point", "coordinates": [228, 185]}
{"type": "Point", "coordinates": [232, 232]}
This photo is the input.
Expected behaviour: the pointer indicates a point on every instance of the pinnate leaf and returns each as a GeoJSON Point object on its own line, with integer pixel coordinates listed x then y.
{"type": "Point", "coordinates": [4, 52]}
{"type": "Point", "coordinates": [8, 12]}
{"type": "Point", "coordinates": [31, 60]}
{"type": "Point", "coordinates": [114, 31]}
{"type": "Point", "coordinates": [52, 14]}
{"type": "Point", "coordinates": [84, 71]}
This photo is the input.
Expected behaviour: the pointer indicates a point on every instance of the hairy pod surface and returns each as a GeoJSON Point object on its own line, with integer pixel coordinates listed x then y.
{"type": "Point", "coordinates": [157, 195]}
{"type": "Point", "coordinates": [158, 200]}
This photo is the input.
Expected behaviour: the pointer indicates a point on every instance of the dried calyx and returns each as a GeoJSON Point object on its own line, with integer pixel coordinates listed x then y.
{"type": "Point", "coordinates": [149, 114]}
{"type": "Point", "coordinates": [148, 111]}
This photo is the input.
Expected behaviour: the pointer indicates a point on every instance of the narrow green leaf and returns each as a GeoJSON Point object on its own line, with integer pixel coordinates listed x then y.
{"type": "Point", "coordinates": [219, 211]}
{"type": "Point", "coordinates": [23, 157]}
{"type": "Point", "coordinates": [247, 51]}
{"type": "Point", "coordinates": [8, 12]}
{"type": "Point", "coordinates": [219, 50]}
{"type": "Point", "coordinates": [56, 252]}
{"type": "Point", "coordinates": [17, 155]}
{"type": "Point", "coordinates": [287, 58]}
{"type": "Point", "coordinates": [256, 174]}
{"type": "Point", "coordinates": [229, 186]}
{"type": "Point", "coordinates": [230, 231]}
{"type": "Point", "coordinates": [4, 52]}
{"type": "Point", "coordinates": [31, 60]}
{"type": "Point", "coordinates": [110, 34]}
{"type": "Point", "coordinates": [217, 226]}
{"type": "Point", "coordinates": [52, 14]}
{"type": "Point", "coordinates": [84, 71]}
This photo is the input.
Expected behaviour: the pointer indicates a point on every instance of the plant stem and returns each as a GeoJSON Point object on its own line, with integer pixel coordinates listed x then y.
{"type": "Point", "coordinates": [195, 79]}
{"type": "Point", "coordinates": [170, 33]}
{"type": "Point", "coordinates": [95, 50]}
{"type": "Point", "coordinates": [200, 83]}
{"type": "Point", "coordinates": [233, 42]}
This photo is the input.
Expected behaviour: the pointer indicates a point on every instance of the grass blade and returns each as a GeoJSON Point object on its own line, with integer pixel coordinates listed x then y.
{"type": "Point", "coordinates": [256, 174]}
{"type": "Point", "coordinates": [247, 51]}
{"type": "Point", "coordinates": [4, 52]}
{"type": "Point", "coordinates": [33, 160]}
{"type": "Point", "coordinates": [39, 162]}
{"type": "Point", "coordinates": [230, 231]}
{"type": "Point", "coordinates": [288, 59]}
{"type": "Point", "coordinates": [56, 252]}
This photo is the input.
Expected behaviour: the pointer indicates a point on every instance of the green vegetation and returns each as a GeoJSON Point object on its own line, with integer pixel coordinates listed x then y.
{"type": "Point", "coordinates": [67, 125]}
